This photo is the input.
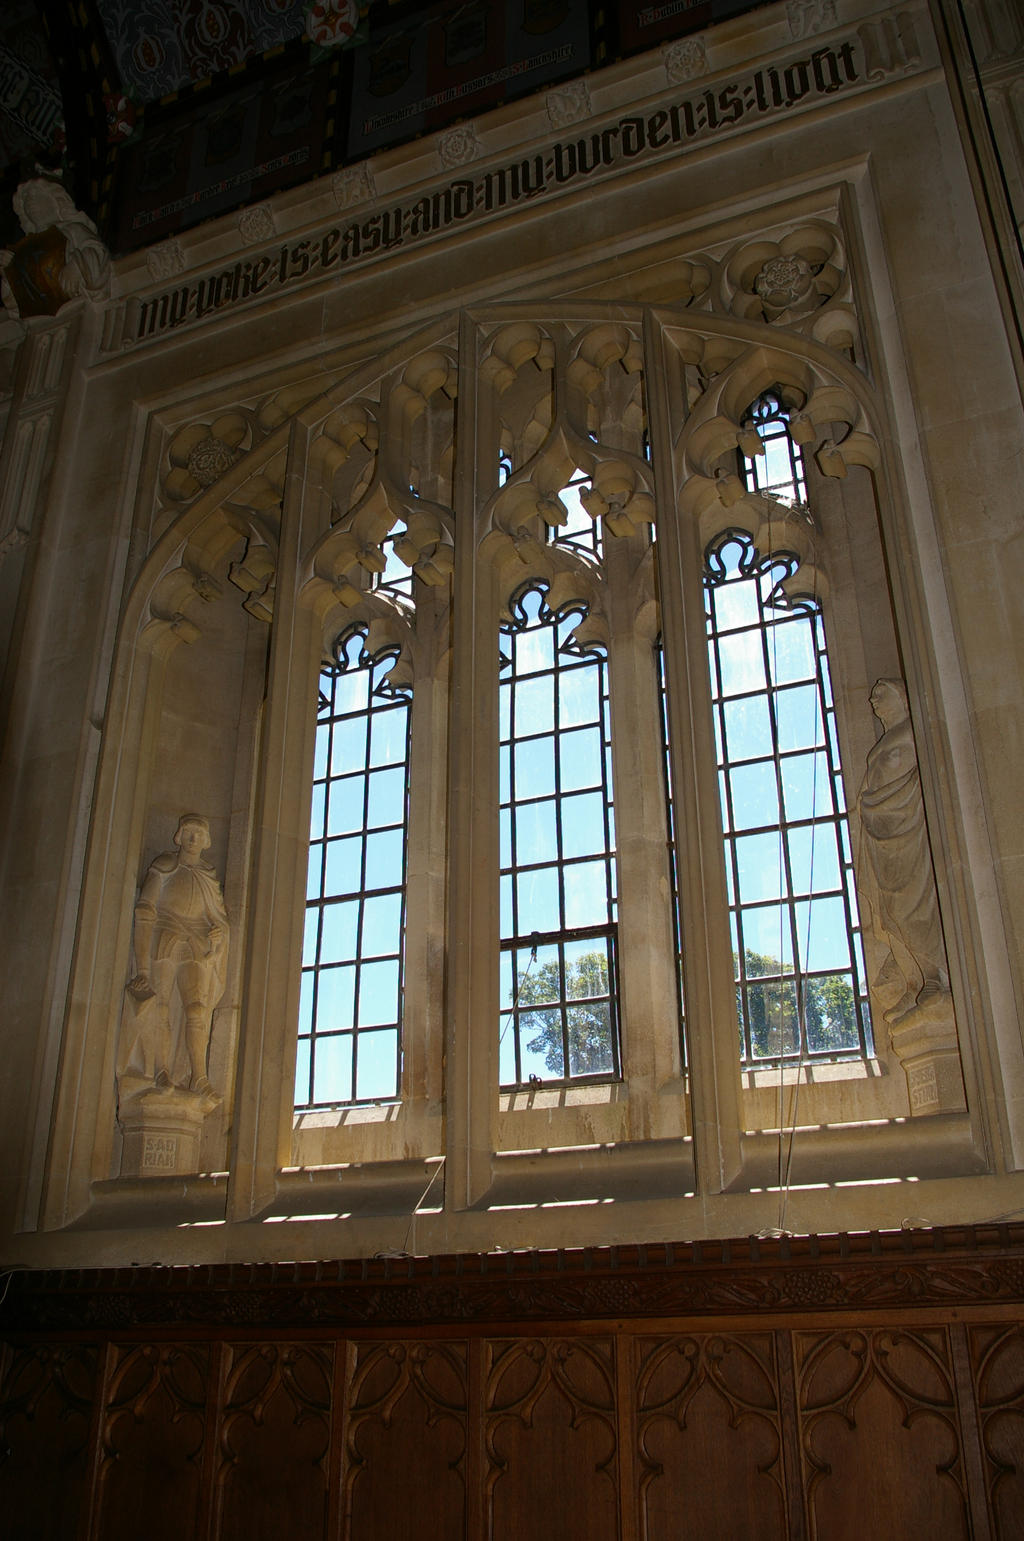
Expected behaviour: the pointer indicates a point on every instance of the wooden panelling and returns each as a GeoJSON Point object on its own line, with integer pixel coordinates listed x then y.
{"type": "Point", "coordinates": [45, 1418]}
{"type": "Point", "coordinates": [275, 1432]}
{"type": "Point", "coordinates": [997, 1355]}
{"type": "Point", "coordinates": [551, 1440]}
{"type": "Point", "coordinates": [883, 1403]}
{"type": "Point", "coordinates": [709, 1422]}
{"type": "Point", "coordinates": [151, 1442]}
{"type": "Point", "coordinates": [407, 1432]}
{"type": "Point", "coordinates": [788, 1397]}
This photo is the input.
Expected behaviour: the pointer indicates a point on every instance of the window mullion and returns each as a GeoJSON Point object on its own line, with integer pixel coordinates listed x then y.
{"type": "Point", "coordinates": [646, 953]}
{"type": "Point", "coordinates": [712, 1056]}
{"type": "Point", "coordinates": [471, 1043]}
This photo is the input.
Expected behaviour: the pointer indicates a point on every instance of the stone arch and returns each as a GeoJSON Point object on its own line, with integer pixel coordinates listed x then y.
{"type": "Point", "coordinates": [197, 586]}
{"type": "Point", "coordinates": [738, 361]}
{"type": "Point", "coordinates": [833, 417]}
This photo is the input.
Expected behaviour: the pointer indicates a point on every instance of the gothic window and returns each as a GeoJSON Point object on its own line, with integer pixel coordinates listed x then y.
{"type": "Point", "coordinates": [351, 999]}
{"type": "Point", "coordinates": [800, 981]}
{"type": "Point", "coordinates": [521, 900]}
{"type": "Point", "coordinates": [557, 843]}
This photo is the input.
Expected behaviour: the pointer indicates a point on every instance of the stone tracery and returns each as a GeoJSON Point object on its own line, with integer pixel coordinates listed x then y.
{"type": "Point", "coordinates": [562, 398]}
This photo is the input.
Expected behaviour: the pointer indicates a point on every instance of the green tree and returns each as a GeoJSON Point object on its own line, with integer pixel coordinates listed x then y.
{"type": "Point", "coordinates": [830, 1016]}
{"type": "Point", "coordinates": [582, 994]}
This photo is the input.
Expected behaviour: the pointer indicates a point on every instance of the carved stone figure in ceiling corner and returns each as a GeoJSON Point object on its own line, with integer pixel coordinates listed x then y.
{"type": "Point", "coordinates": [60, 258]}
{"type": "Point", "coordinates": [181, 943]}
{"type": "Point", "coordinates": [896, 876]}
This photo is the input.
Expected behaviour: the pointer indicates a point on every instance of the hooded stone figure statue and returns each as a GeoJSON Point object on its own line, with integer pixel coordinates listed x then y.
{"type": "Point", "coordinates": [896, 878]}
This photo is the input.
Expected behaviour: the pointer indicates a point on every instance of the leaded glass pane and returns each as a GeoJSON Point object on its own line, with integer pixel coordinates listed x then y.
{"type": "Point", "coordinates": [800, 984]}
{"type": "Point", "coordinates": [355, 912]}
{"type": "Point", "coordinates": [557, 884]}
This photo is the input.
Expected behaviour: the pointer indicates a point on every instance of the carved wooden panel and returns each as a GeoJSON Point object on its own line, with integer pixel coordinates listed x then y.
{"type": "Point", "coordinates": [819, 1389]}
{"type": "Point", "coordinates": [708, 1423]}
{"type": "Point", "coordinates": [152, 1442]}
{"type": "Point", "coordinates": [44, 1438]}
{"type": "Point", "coordinates": [274, 1438]}
{"type": "Point", "coordinates": [551, 1440]}
{"type": "Point", "coordinates": [406, 1441]}
{"type": "Point", "coordinates": [997, 1355]}
{"type": "Point", "coordinates": [880, 1435]}
{"type": "Point", "coordinates": [957, 1266]}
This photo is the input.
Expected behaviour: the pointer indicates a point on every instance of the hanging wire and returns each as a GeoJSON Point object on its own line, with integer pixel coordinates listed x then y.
{"type": "Point", "coordinates": [419, 1204]}
{"type": "Point", "coordinates": [510, 1014]}
{"type": "Point", "coordinates": [780, 991]}
{"type": "Point", "coordinates": [777, 765]}
{"type": "Point", "coordinates": [786, 1177]}
{"type": "Point", "coordinates": [786, 1147]}
{"type": "Point", "coordinates": [784, 1183]}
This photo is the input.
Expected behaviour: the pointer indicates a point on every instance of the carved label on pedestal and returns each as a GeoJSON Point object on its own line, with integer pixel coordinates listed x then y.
{"type": "Point", "coordinates": [924, 1087]}
{"type": "Point", "coordinates": [160, 1153]}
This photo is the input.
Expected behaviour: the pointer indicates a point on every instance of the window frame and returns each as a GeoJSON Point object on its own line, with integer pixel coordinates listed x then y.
{"type": "Point", "coordinates": [754, 567]}
{"type": "Point", "coordinates": [578, 657]}
{"type": "Point", "coordinates": [489, 1134]}
{"type": "Point", "coordinates": [376, 666]}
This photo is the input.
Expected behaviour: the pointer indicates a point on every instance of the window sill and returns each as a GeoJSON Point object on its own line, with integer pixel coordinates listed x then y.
{"type": "Point", "coordinates": [944, 1145]}
{"type": "Point", "coordinates": [370, 1132]}
{"type": "Point", "coordinates": [586, 1094]}
{"type": "Point", "coordinates": [817, 1073]}
{"type": "Point", "coordinates": [337, 1118]}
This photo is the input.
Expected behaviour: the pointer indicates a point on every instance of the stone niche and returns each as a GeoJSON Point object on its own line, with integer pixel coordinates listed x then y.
{"type": "Point", "coordinates": [180, 951]}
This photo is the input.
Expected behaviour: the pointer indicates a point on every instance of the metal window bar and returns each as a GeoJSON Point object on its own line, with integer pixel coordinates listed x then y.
{"type": "Point", "coordinates": [779, 472]}
{"type": "Point", "coordinates": [396, 578]}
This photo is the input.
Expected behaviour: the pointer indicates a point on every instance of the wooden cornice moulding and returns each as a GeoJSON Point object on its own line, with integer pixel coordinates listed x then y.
{"type": "Point", "coordinates": [947, 1268]}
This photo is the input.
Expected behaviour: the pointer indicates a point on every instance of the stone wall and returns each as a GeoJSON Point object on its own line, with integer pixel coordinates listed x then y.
{"type": "Point", "coordinates": [204, 474]}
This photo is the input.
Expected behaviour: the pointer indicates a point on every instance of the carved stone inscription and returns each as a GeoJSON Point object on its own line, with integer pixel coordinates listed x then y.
{"type": "Point", "coordinates": [159, 1154]}
{"type": "Point", "coordinates": [709, 114]}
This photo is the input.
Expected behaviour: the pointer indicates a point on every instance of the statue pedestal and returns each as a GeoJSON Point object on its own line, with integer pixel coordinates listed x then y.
{"type": "Point", "coordinates": [162, 1126]}
{"type": "Point", "coordinates": [924, 1040]}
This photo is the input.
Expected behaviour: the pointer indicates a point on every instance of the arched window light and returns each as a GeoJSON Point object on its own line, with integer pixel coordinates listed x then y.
{"type": "Point", "coordinates": [557, 852]}
{"type": "Point", "coordinates": [779, 472]}
{"type": "Point", "coordinates": [800, 980]}
{"type": "Point", "coordinates": [349, 1047]}
{"type": "Point", "coordinates": [580, 531]}
{"type": "Point", "coordinates": [396, 577]}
